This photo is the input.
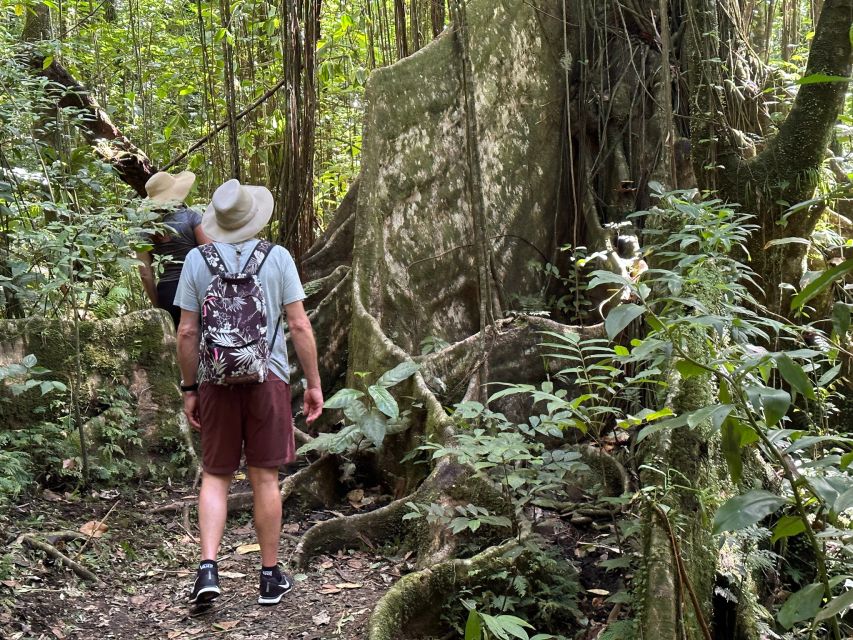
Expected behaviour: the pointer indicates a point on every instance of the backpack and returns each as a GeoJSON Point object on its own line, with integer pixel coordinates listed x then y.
{"type": "Point", "coordinates": [234, 348]}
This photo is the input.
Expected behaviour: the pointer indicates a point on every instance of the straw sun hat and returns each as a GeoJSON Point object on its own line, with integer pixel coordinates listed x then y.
{"type": "Point", "coordinates": [164, 187]}
{"type": "Point", "coordinates": [237, 212]}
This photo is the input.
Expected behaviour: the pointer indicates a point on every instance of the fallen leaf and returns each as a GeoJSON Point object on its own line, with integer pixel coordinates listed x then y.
{"type": "Point", "coordinates": [174, 634]}
{"type": "Point", "coordinates": [231, 574]}
{"type": "Point", "coordinates": [137, 600]}
{"type": "Point", "coordinates": [240, 476]}
{"type": "Point", "coordinates": [225, 625]}
{"type": "Point", "coordinates": [243, 549]}
{"type": "Point", "coordinates": [322, 618]}
{"type": "Point", "coordinates": [47, 494]}
{"type": "Point", "coordinates": [328, 564]}
{"type": "Point", "coordinates": [10, 583]}
{"type": "Point", "coordinates": [292, 527]}
{"type": "Point", "coordinates": [94, 528]}
{"type": "Point", "coordinates": [349, 585]}
{"type": "Point", "coordinates": [58, 633]}
{"type": "Point", "coordinates": [598, 592]}
{"type": "Point", "coordinates": [69, 463]}
{"type": "Point", "coordinates": [329, 588]}
{"type": "Point", "coordinates": [355, 496]}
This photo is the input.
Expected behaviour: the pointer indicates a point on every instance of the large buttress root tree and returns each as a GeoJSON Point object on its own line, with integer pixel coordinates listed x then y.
{"type": "Point", "coordinates": [525, 127]}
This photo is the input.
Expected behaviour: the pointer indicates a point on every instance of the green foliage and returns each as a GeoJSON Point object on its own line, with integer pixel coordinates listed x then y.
{"type": "Point", "coordinates": [369, 417]}
{"type": "Point", "coordinates": [512, 456]}
{"type": "Point", "coordinates": [703, 322]}
{"type": "Point", "coordinates": [539, 594]}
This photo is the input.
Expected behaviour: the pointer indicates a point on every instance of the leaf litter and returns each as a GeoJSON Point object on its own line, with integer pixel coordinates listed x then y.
{"type": "Point", "coordinates": [147, 564]}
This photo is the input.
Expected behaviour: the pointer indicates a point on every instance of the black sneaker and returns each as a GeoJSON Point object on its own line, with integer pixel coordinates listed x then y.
{"type": "Point", "coordinates": [206, 586]}
{"type": "Point", "coordinates": [273, 587]}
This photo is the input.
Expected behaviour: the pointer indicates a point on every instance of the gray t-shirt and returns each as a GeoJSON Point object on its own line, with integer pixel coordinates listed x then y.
{"type": "Point", "coordinates": [279, 279]}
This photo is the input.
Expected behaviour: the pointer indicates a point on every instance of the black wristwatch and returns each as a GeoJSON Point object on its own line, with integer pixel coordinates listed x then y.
{"type": "Point", "coordinates": [188, 387]}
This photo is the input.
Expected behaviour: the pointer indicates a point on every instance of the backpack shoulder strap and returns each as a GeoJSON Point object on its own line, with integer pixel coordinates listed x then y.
{"type": "Point", "coordinates": [260, 254]}
{"type": "Point", "coordinates": [212, 258]}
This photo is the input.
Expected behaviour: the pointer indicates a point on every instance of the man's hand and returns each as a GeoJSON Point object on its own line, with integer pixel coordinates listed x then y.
{"type": "Point", "coordinates": [312, 403]}
{"type": "Point", "coordinates": [191, 409]}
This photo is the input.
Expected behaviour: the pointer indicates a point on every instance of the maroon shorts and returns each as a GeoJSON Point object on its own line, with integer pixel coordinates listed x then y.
{"type": "Point", "coordinates": [252, 417]}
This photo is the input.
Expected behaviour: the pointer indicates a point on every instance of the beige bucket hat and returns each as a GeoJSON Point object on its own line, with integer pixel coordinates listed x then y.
{"type": "Point", "coordinates": [237, 212]}
{"type": "Point", "coordinates": [164, 187]}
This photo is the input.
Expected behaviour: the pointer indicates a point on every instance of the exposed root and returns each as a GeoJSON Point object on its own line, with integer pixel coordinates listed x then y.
{"type": "Point", "coordinates": [356, 531]}
{"type": "Point", "coordinates": [422, 594]}
{"type": "Point", "coordinates": [449, 484]}
{"type": "Point", "coordinates": [56, 554]}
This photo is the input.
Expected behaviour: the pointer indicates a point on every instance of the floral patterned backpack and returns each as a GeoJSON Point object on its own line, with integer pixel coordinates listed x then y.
{"type": "Point", "coordinates": [234, 348]}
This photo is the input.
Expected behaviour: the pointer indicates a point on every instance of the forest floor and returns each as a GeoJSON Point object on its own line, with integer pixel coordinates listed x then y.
{"type": "Point", "coordinates": [146, 562]}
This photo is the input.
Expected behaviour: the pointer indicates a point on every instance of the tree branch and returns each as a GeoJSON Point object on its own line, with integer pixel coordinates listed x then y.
{"type": "Point", "coordinates": [129, 162]}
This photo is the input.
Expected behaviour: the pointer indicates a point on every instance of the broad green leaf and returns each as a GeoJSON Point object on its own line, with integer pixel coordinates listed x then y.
{"type": "Point", "coordinates": [688, 369]}
{"type": "Point", "coordinates": [781, 241]}
{"type": "Point", "coordinates": [399, 373]}
{"type": "Point", "coordinates": [384, 401]}
{"type": "Point", "coordinates": [506, 626]}
{"type": "Point", "coordinates": [374, 426]}
{"type": "Point", "coordinates": [844, 501]}
{"type": "Point", "coordinates": [788, 526]}
{"type": "Point", "coordinates": [355, 410]}
{"type": "Point", "coordinates": [775, 403]}
{"type": "Point", "coordinates": [745, 510]}
{"type": "Point", "coordinates": [820, 283]}
{"type": "Point", "coordinates": [672, 423]}
{"type": "Point", "coordinates": [620, 317]}
{"type": "Point", "coordinates": [794, 375]}
{"type": "Point", "coordinates": [342, 398]}
{"type": "Point", "coordinates": [716, 413]}
{"type": "Point", "coordinates": [821, 78]}
{"type": "Point", "coordinates": [846, 459]}
{"type": "Point", "coordinates": [837, 606]}
{"type": "Point", "coordinates": [473, 627]}
{"type": "Point", "coordinates": [802, 605]}
{"type": "Point", "coordinates": [828, 376]}
{"type": "Point", "coordinates": [731, 448]}
{"type": "Point", "coordinates": [840, 319]}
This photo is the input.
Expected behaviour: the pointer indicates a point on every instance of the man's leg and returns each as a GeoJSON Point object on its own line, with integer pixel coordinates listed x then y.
{"type": "Point", "coordinates": [267, 511]}
{"type": "Point", "coordinates": [212, 511]}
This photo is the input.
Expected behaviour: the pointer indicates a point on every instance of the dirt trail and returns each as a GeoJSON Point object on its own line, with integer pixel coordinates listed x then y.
{"type": "Point", "coordinates": [145, 561]}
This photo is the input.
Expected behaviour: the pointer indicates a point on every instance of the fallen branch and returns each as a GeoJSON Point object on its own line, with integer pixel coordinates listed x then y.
{"type": "Point", "coordinates": [56, 554]}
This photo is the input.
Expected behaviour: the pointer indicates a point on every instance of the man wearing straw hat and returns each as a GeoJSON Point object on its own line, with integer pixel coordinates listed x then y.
{"type": "Point", "coordinates": [235, 417]}
{"type": "Point", "coordinates": [167, 194]}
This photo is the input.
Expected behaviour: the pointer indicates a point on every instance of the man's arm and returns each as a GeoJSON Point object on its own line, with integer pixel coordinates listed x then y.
{"type": "Point", "coordinates": [306, 351]}
{"type": "Point", "coordinates": [146, 272]}
{"type": "Point", "coordinates": [188, 335]}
